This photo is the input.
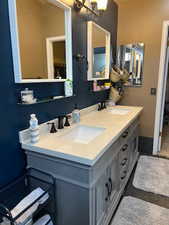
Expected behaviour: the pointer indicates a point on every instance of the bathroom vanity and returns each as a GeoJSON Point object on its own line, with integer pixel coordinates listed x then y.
{"type": "Point", "coordinates": [90, 174]}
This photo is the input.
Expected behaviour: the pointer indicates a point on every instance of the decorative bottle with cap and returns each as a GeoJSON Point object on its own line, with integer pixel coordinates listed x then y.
{"type": "Point", "coordinates": [34, 129]}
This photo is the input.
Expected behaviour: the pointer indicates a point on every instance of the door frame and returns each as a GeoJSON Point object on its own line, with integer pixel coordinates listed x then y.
{"type": "Point", "coordinates": [50, 56]}
{"type": "Point", "coordinates": [160, 89]}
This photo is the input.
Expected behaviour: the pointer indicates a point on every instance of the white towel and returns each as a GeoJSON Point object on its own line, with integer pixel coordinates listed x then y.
{"type": "Point", "coordinates": [43, 220]}
{"type": "Point", "coordinates": [27, 201]}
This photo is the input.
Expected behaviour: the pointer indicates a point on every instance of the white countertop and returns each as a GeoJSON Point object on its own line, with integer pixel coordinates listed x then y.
{"type": "Point", "coordinates": [88, 154]}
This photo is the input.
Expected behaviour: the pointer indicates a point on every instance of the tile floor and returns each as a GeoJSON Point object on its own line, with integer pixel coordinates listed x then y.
{"type": "Point", "coordinates": [165, 142]}
{"type": "Point", "coordinates": [130, 190]}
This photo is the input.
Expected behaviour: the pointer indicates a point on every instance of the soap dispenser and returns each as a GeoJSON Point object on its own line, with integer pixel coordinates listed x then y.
{"type": "Point", "coordinates": [34, 129]}
{"type": "Point", "coordinates": [76, 115]}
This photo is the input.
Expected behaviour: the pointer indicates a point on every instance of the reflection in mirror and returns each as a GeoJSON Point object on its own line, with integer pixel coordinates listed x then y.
{"type": "Point", "coordinates": [98, 52]}
{"type": "Point", "coordinates": [56, 57]}
{"type": "Point", "coordinates": [44, 40]}
{"type": "Point", "coordinates": [59, 58]}
{"type": "Point", "coordinates": [131, 58]}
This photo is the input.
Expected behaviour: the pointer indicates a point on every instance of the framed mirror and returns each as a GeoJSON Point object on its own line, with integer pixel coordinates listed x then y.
{"type": "Point", "coordinates": [41, 34]}
{"type": "Point", "coordinates": [98, 52]}
{"type": "Point", "coordinates": [131, 58]}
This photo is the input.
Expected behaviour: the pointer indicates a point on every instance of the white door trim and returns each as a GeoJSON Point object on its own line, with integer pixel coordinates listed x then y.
{"type": "Point", "coordinates": [160, 89]}
{"type": "Point", "coordinates": [50, 57]}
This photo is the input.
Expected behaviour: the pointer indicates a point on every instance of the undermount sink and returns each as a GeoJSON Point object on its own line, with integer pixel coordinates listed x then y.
{"type": "Point", "coordinates": [119, 111]}
{"type": "Point", "coordinates": [84, 134]}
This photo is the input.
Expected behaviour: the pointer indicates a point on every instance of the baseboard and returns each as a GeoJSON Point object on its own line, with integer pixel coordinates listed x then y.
{"type": "Point", "coordinates": [146, 145]}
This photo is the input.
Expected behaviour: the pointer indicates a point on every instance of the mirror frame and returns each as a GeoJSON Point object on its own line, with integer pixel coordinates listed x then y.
{"type": "Point", "coordinates": [16, 46]}
{"type": "Point", "coordinates": [90, 52]}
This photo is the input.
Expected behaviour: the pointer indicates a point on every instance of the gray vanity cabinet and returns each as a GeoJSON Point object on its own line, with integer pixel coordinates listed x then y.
{"type": "Point", "coordinates": [88, 195]}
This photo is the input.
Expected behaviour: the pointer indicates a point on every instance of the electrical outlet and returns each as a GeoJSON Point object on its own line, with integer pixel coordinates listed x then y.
{"type": "Point", "coordinates": [153, 91]}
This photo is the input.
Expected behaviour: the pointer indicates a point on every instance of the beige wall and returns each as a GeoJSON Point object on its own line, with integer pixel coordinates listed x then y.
{"type": "Point", "coordinates": [59, 52]}
{"type": "Point", "coordinates": [53, 24]}
{"type": "Point", "coordinates": [98, 37]}
{"type": "Point", "coordinates": [30, 37]}
{"type": "Point", "coordinates": [53, 21]}
{"type": "Point", "coordinates": [141, 21]}
{"type": "Point", "coordinates": [37, 20]}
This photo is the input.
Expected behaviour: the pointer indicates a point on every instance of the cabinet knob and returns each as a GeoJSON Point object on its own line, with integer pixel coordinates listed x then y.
{"type": "Point", "coordinates": [125, 134]}
{"type": "Point", "coordinates": [124, 176]}
{"type": "Point", "coordinates": [124, 148]}
{"type": "Point", "coordinates": [123, 163]}
{"type": "Point", "coordinates": [111, 185]}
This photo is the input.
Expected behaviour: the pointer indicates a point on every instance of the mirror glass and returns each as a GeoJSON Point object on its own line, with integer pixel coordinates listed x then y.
{"type": "Point", "coordinates": [131, 58]}
{"type": "Point", "coordinates": [44, 40]}
{"type": "Point", "coordinates": [98, 52]}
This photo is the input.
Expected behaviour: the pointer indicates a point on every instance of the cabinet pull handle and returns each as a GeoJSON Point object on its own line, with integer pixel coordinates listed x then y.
{"type": "Point", "coordinates": [107, 188]}
{"type": "Point", "coordinates": [123, 163]}
{"type": "Point", "coordinates": [111, 186]}
{"type": "Point", "coordinates": [125, 134]}
{"type": "Point", "coordinates": [125, 147]}
{"type": "Point", "coordinates": [125, 173]}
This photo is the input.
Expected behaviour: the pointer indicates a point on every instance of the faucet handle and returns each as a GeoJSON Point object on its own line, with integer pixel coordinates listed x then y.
{"type": "Point", "coordinates": [67, 124]}
{"type": "Point", "coordinates": [53, 128]}
{"type": "Point", "coordinates": [104, 105]}
{"type": "Point", "coordinates": [99, 107]}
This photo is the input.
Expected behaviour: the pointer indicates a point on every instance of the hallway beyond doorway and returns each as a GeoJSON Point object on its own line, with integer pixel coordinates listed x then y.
{"type": "Point", "coordinates": [165, 142]}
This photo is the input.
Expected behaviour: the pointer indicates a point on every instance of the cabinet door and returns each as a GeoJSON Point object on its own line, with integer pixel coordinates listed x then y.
{"type": "Point", "coordinates": [101, 199]}
{"type": "Point", "coordinates": [113, 180]}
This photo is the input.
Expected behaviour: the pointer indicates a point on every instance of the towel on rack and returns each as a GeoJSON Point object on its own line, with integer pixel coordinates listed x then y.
{"type": "Point", "coordinates": [45, 220]}
{"type": "Point", "coordinates": [26, 202]}
{"type": "Point", "coordinates": [23, 219]}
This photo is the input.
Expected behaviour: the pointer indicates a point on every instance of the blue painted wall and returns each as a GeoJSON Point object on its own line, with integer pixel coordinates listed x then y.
{"type": "Point", "coordinates": [14, 117]}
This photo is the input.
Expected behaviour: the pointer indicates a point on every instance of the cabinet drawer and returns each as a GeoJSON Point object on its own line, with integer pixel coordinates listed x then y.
{"type": "Point", "coordinates": [128, 132]}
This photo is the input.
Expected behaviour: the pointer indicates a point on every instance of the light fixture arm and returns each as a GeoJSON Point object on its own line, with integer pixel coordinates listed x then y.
{"type": "Point", "coordinates": [78, 5]}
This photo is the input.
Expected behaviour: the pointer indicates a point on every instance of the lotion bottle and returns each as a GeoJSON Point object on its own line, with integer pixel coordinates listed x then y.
{"type": "Point", "coordinates": [76, 115]}
{"type": "Point", "coordinates": [34, 129]}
